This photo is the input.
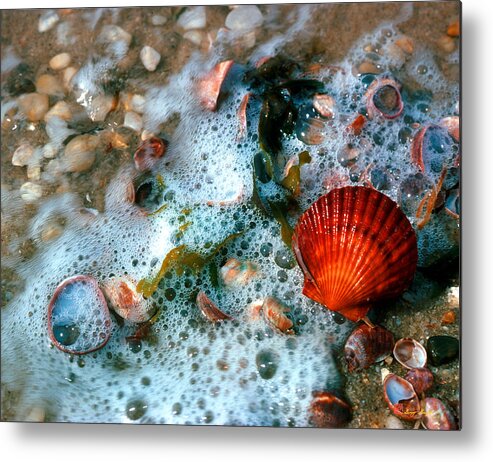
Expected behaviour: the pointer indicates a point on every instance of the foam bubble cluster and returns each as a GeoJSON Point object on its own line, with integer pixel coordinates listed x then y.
{"type": "Point", "coordinates": [185, 369]}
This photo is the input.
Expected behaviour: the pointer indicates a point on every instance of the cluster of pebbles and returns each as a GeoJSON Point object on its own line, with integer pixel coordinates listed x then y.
{"type": "Point", "coordinates": [71, 124]}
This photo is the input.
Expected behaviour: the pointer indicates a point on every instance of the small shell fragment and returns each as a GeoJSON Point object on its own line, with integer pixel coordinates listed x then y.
{"type": "Point", "coordinates": [324, 105]}
{"type": "Point", "coordinates": [209, 86]}
{"type": "Point", "coordinates": [209, 309]}
{"type": "Point", "coordinates": [383, 98]}
{"type": "Point", "coordinates": [274, 313]}
{"type": "Point", "coordinates": [235, 272]}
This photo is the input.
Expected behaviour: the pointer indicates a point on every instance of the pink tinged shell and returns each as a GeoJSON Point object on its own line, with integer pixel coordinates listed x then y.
{"type": "Point", "coordinates": [122, 294]}
{"type": "Point", "coordinates": [149, 152]}
{"type": "Point", "coordinates": [325, 105]}
{"type": "Point", "coordinates": [274, 313]}
{"type": "Point", "coordinates": [410, 353]}
{"type": "Point", "coordinates": [242, 116]}
{"type": "Point", "coordinates": [355, 247]}
{"type": "Point", "coordinates": [452, 124]}
{"type": "Point", "coordinates": [367, 345]}
{"type": "Point", "coordinates": [235, 272]}
{"type": "Point", "coordinates": [209, 86]}
{"type": "Point", "coordinates": [78, 317]}
{"type": "Point", "coordinates": [420, 378]}
{"type": "Point", "coordinates": [437, 416]}
{"type": "Point", "coordinates": [401, 397]}
{"type": "Point", "coordinates": [381, 92]}
{"type": "Point", "coordinates": [210, 311]}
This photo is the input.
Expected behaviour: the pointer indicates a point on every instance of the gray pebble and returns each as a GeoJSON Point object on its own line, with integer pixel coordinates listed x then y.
{"type": "Point", "coordinates": [193, 18]}
{"type": "Point", "coordinates": [150, 58]}
{"type": "Point", "coordinates": [244, 18]}
{"type": "Point", "coordinates": [47, 20]}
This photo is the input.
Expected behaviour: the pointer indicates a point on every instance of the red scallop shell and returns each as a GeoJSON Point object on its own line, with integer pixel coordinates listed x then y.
{"type": "Point", "coordinates": [355, 247]}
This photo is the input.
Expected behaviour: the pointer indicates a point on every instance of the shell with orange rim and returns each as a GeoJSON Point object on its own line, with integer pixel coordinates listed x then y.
{"type": "Point", "coordinates": [355, 247]}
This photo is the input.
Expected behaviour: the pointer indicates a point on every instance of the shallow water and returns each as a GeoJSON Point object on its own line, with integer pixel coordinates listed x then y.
{"type": "Point", "coordinates": [185, 369]}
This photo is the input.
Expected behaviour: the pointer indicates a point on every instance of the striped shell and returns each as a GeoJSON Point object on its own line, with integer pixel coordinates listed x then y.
{"type": "Point", "coordinates": [355, 247]}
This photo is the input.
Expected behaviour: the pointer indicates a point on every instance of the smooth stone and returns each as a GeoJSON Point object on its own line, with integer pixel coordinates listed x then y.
{"type": "Point", "coordinates": [193, 18]}
{"type": "Point", "coordinates": [244, 18]}
{"type": "Point", "coordinates": [368, 68]}
{"type": "Point", "coordinates": [34, 172]}
{"type": "Point", "coordinates": [61, 110]}
{"type": "Point", "coordinates": [49, 85]}
{"type": "Point", "coordinates": [150, 58]}
{"type": "Point", "coordinates": [49, 151]}
{"type": "Point", "coordinates": [442, 349]}
{"type": "Point", "coordinates": [99, 107]}
{"type": "Point", "coordinates": [34, 105]}
{"type": "Point", "coordinates": [393, 423]}
{"type": "Point", "coordinates": [22, 155]}
{"type": "Point", "coordinates": [446, 43]}
{"type": "Point", "coordinates": [31, 192]}
{"type": "Point", "coordinates": [60, 61]}
{"type": "Point", "coordinates": [79, 153]}
{"type": "Point", "coordinates": [111, 33]}
{"type": "Point", "coordinates": [47, 20]}
{"type": "Point", "coordinates": [68, 74]}
{"type": "Point", "coordinates": [133, 121]}
{"type": "Point", "coordinates": [138, 103]}
{"type": "Point", "coordinates": [158, 20]}
{"type": "Point", "coordinates": [194, 36]}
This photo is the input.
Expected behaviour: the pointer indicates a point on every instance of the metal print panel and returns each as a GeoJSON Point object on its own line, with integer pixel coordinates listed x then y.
{"type": "Point", "coordinates": [232, 215]}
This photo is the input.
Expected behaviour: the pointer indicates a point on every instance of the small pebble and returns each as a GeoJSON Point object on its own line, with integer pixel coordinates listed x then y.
{"type": "Point", "coordinates": [158, 20]}
{"type": "Point", "coordinates": [68, 74]}
{"type": "Point", "coordinates": [31, 192]}
{"type": "Point", "coordinates": [368, 68]}
{"type": "Point", "coordinates": [193, 18]}
{"type": "Point", "coordinates": [34, 105]}
{"type": "Point", "coordinates": [60, 61]}
{"type": "Point", "coordinates": [112, 33]}
{"type": "Point", "coordinates": [49, 85]}
{"type": "Point", "coordinates": [393, 423]}
{"type": "Point", "coordinates": [61, 110]}
{"type": "Point", "coordinates": [446, 43]}
{"type": "Point", "coordinates": [138, 103]}
{"type": "Point", "coordinates": [47, 20]}
{"type": "Point", "coordinates": [99, 107]}
{"type": "Point", "coordinates": [150, 58]}
{"type": "Point", "coordinates": [80, 153]}
{"type": "Point", "coordinates": [454, 29]}
{"type": "Point", "coordinates": [22, 155]}
{"type": "Point", "coordinates": [194, 36]}
{"type": "Point", "coordinates": [406, 44]}
{"type": "Point", "coordinates": [133, 121]}
{"type": "Point", "coordinates": [448, 317]}
{"type": "Point", "coordinates": [34, 172]}
{"type": "Point", "coordinates": [49, 151]}
{"type": "Point", "coordinates": [36, 414]}
{"type": "Point", "coordinates": [244, 18]}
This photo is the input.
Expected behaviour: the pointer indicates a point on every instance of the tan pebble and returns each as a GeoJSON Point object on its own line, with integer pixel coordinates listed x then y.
{"type": "Point", "coordinates": [61, 110]}
{"type": "Point", "coordinates": [80, 153]}
{"type": "Point", "coordinates": [446, 43]}
{"type": "Point", "coordinates": [49, 85]}
{"type": "Point", "coordinates": [133, 120]}
{"type": "Point", "coordinates": [100, 107]}
{"type": "Point", "coordinates": [406, 44]}
{"type": "Point", "coordinates": [22, 155]}
{"type": "Point", "coordinates": [393, 423]}
{"type": "Point", "coordinates": [150, 58]}
{"type": "Point", "coordinates": [68, 74]}
{"type": "Point", "coordinates": [33, 105]}
{"type": "Point", "coordinates": [388, 360]}
{"type": "Point", "coordinates": [36, 414]}
{"type": "Point", "coordinates": [194, 36]}
{"type": "Point", "coordinates": [31, 192]}
{"type": "Point", "coordinates": [33, 172]}
{"type": "Point", "coordinates": [448, 317]}
{"type": "Point", "coordinates": [368, 68]}
{"type": "Point", "coordinates": [138, 103]}
{"type": "Point", "coordinates": [60, 61]}
{"type": "Point", "coordinates": [50, 232]}
{"type": "Point", "coordinates": [453, 29]}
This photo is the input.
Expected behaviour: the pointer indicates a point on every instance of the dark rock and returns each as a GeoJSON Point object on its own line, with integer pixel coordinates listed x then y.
{"type": "Point", "coordinates": [442, 349]}
{"type": "Point", "coordinates": [20, 81]}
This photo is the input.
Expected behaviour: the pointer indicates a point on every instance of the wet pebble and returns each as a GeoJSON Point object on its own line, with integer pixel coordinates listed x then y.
{"type": "Point", "coordinates": [393, 423]}
{"type": "Point", "coordinates": [244, 18]}
{"type": "Point", "coordinates": [193, 18]}
{"type": "Point", "coordinates": [133, 121]}
{"type": "Point", "coordinates": [47, 20]}
{"type": "Point", "coordinates": [22, 155]}
{"type": "Point", "coordinates": [79, 153]}
{"type": "Point", "coordinates": [49, 151]}
{"type": "Point", "coordinates": [368, 68]}
{"type": "Point", "coordinates": [33, 172]}
{"type": "Point", "coordinates": [31, 192]}
{"type": "Point", "coordinates": [442, 349]}
{"type": "Point", "coordinates": [68, 74]}
{"type": "Point", "coordinates": [99, 107]}
{"type": "Point", "coordinates": [116, 38]}
{"type": "Point", "coordinates": [49, 85]}
{"type": "Point", "coordinates": [138, 103]}
{"type": "Point", "coordinates": [61, 110]}
{"type": "Point", "coordinates": [150, 58]}
{"type": "Point", "coordinates": [158, 20]}
{"type": "Point", "coordinates": [446, 43]}
{"type": "Point", "coordinates": [194, 36]}
{"type": "Point", "coordinates": [34, 105]}
{"type": "Point", "coordinates": [60, 61]}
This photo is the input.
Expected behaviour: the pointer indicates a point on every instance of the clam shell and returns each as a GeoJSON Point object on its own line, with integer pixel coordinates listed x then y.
{"type": "Point", "coordinates": [420, 378]}
{"type": "Point", "coordinates": [437, 415]}
{"type": "Point", "coordinates": [410, 353]}
{"type": "Point", "coordinates": [78, 317]}
{"type": "Point", "coordinates": [367, 345]}
{"type": "Point", "coordinates": [355, 247]}
{"type": "Point", "coordinates": [401, 397]}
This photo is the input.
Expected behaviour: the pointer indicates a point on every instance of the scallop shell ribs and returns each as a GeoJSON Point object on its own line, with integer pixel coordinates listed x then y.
{"type": "Point", "coordinates": [355, 247]}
